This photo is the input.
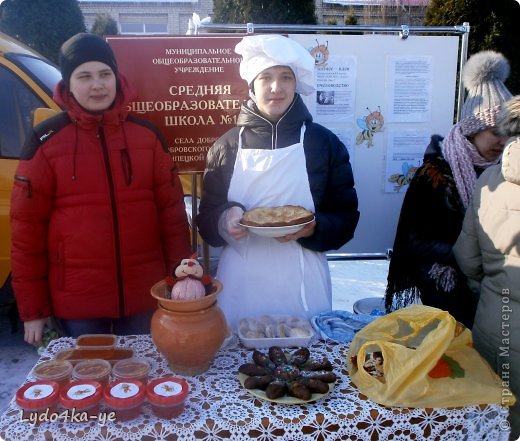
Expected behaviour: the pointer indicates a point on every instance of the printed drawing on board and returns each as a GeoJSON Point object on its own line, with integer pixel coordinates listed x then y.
{"type": "Point", "coordinates": [370, 124]}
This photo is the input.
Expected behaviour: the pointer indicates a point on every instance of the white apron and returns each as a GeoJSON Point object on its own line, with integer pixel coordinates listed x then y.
{"type": "Point", "coordinates": [259, 274]}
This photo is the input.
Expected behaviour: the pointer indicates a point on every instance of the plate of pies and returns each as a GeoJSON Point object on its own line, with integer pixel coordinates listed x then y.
{"type": "Point", "coordinates": [276, 221]}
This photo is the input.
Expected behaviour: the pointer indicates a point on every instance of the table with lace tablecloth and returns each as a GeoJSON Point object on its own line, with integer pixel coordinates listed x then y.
{"type": "Point", "coordinates": [218, 407]}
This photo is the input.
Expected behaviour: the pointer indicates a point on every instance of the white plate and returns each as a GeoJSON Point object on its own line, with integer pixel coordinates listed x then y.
{"type": "Point", "coordinates": [275, 231]}
{"type": "Point", "coordinates": [368, 304]}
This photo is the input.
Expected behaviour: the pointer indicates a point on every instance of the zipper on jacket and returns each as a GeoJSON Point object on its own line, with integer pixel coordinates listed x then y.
{"type": "Point", "coordinates": [26, 181]}
{"type": "Point", "coordinates": [274, 127]}
{"type": "Point", "coordinates": [115, 220]}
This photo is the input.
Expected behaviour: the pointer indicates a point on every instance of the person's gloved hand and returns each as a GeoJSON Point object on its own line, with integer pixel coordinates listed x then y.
{"type": "Point", "coordinates": [228, 223]}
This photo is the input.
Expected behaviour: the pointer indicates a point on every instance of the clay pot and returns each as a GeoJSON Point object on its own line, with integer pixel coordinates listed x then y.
{"type": "Point", "coordinates": [188, 332]}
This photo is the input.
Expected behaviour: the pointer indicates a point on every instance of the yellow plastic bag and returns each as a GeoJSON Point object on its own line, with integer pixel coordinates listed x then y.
{"type": "Point", "coordinates": [412, 341]}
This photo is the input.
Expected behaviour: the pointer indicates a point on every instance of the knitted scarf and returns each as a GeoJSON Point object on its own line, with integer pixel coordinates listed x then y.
{"type": "Point", "coordinates": [463, 156]}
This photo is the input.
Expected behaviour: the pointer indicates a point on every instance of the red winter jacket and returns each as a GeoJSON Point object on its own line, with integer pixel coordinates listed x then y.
{"type": "Point", "coordinates": [97, 214]}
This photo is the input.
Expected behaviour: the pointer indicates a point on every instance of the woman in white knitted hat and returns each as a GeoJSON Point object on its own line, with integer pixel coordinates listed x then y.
{"type": "Point", "coordinates": [422, 266]}
{"type": "Point", "coordinates": [276, 156]}
{"type": "Point", "coordinates": [488, 252]}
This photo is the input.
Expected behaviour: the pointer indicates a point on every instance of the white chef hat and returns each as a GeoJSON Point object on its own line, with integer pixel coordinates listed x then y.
{"type": "Point", "coordinates": [260, 52]}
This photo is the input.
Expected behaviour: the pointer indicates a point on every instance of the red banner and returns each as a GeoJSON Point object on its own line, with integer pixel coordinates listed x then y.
{"type": "Point", "coordinates": [189, 86]}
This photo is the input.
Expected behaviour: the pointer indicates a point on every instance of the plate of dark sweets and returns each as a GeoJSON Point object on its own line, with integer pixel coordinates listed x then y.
{"type": "Point", "coordinates": [287, 378]}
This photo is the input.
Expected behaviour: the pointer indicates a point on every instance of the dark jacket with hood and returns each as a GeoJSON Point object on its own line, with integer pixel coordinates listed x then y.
{"type": "Point", "coordinates": [328, 167]}
{"type": "Point", "coordinates": [429, 224]}
{"type": "Point", "coordinates": [97, 214]}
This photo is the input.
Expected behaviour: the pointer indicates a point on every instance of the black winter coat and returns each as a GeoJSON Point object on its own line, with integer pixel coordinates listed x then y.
{"type": "Point", "coordinates": [328, 167]}
{"type": "Point", "coordinates": [429, 224]}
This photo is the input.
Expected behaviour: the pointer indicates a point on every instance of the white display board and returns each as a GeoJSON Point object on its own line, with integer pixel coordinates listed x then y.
{"type": "Point", "coordinates": [384, 97]}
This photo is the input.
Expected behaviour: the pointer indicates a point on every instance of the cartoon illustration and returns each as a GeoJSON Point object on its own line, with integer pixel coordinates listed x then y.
{"type": "Point", "coordinates": [81, 392]}
{"type": "Point", "coordinates": [320, 52]}
{"type": "Point", "coordinates": [403, 179]}
{"type": "Point", "coordinates": [168, 388]}
{"type": "Point", "coordinates": [370, 124]}
{"type": "Point", "coordinates": [125, 387]}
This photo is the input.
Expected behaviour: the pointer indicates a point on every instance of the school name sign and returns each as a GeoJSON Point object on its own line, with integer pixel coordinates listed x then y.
{"type": "Point", "coordinates": [189, 86]}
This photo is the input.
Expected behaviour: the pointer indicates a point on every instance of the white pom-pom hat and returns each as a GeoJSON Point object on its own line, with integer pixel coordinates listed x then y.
{"type": "Point", "coordinates": [483, 75]}
{"type": "Point", "coordinates": [260, 52]}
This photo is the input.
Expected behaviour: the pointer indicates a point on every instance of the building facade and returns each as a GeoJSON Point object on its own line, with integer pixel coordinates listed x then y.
{"type": "Point", "coordinates": [145, 16]}
{"type": "Point", "coordinates": [172, 16]}
{"type": "Point", "coordinates": [372, 12]}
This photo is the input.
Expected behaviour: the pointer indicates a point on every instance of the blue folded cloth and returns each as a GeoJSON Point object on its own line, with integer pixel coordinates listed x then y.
{"type": "Point", "coordinates": [340, 326]}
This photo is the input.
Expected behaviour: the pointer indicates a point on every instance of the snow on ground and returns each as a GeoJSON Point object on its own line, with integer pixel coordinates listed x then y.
{"type": "Point", "coordinates": [353, 280]}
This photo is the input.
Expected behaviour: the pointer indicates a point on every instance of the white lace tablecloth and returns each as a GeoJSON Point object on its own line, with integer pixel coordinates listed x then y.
{"type": "Point", "coordinates": [219, 408]}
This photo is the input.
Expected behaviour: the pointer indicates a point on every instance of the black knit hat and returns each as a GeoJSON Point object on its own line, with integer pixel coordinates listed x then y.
{"type": "Point", "coordinates": [82, 48]}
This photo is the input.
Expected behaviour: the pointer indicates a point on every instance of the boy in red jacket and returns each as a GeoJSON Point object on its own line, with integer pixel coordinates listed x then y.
{"type": "Point", "coordinates": [97, 210]}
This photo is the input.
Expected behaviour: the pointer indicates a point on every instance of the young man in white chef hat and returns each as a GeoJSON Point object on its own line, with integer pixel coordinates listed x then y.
{"type": "Point", "coordinates": [276, 156]}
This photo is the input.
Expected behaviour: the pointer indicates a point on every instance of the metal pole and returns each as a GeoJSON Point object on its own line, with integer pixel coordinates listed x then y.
{"type": "Point", "coordinates": [194, 200]}
{"type": "Point", "coordinates": [287, 28]}
{"type": "Point", "coordinates": [462, 61]}
{"type": "Point", "coordinates": [358, 256]}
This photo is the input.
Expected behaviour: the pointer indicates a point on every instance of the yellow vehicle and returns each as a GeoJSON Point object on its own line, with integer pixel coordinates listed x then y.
{"type": "Point", "coordinates": [26, 82]}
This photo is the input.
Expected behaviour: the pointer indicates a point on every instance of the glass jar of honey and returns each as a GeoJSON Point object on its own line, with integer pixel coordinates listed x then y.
{"type": "Point", "coordinates": [125, 398]}
{"type": "Point", "coordinates": [97, 345]}
{"type": "Point", "coordinates": [82, 396]}
{"type": "Point", "coordinates": [167, 396]}
{"type": "Point", "coordinates": [54, 370]}
{"type": "Point", "coordinates": [38, 400]}
{"type": "Point", "coordinates": [96, 370]}
{"type": "Point", "coordinates": [132, 368]}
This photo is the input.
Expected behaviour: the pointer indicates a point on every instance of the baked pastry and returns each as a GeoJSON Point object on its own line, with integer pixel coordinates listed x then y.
{"type": "Point", "coordinates": [274, 327]}
{"type": "Point", "coordinates": [282, 216]}
{"type": "Point", "coordinates": [279, 373]}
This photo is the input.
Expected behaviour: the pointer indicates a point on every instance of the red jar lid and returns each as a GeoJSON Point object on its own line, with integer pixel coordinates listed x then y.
{"type": "Point", "coordinates": [81, 394]}
{"type": "Point", "coordinates": [38, 394]}
{"type": "Point", "coordinates": [124, 393]}
{"type": "Point", "coordinates": [167, 391]}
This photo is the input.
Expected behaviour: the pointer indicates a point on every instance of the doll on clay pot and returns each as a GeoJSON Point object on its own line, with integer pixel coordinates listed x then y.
{"type": "Point", "coordinates": [189, 282]}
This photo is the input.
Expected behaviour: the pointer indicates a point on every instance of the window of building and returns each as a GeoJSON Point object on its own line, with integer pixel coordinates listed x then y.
{"type": "Point", "coordinates": [143, 23]}
{"type": "Point", "coordinates": [156, 28]}
{"type": "Point", "coordinates": [144, 28]}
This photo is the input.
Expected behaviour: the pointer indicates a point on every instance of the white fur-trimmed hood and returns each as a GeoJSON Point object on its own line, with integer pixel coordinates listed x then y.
{"type": "Point", "coordinates": [511, 161]}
